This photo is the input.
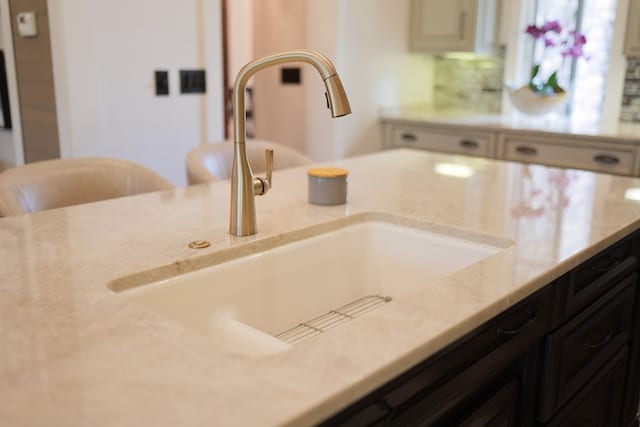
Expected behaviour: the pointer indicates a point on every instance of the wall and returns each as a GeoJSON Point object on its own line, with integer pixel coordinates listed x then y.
{"type": "Point", "coordinates": [371, 54]}
{"type": "Point", "coordinates": [280, 108]}
{"type": "Point", "coordinates": [105, 54]}
{"type": "Point", "coordinates": [239, 45]}
{"type": "Point", "coordinates": [35, 84]}
{"type": "Point", "coordinates": [240, 32]}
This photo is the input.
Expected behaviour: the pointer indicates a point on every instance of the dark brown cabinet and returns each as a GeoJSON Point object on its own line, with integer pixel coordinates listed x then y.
{"type": "Point", "coordinates": [565, 356]}
{"type": "Point", "coordinates": [599, 403]}
{"type": "Point", "coordinates": [500, 410]}
{"type": "Point", "coordinates": [579, 349]}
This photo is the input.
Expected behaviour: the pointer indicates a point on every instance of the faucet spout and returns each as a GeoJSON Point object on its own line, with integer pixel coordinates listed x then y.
{"type": "Point", "coordinates": [244, 187]}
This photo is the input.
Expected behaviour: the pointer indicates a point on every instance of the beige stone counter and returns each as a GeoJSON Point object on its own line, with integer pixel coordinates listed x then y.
{"type": "Point", "coordinates": [76, 354]}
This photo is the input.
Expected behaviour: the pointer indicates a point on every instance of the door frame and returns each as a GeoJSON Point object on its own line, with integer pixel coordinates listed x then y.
{"type": "Point", "coordinates": [60, 79]}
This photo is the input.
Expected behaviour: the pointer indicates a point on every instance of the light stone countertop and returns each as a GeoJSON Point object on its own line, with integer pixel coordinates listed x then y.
{"type": "Point", "coordinates": [618, 132]}
{"type": "Point", "coordinates": [76, 354]}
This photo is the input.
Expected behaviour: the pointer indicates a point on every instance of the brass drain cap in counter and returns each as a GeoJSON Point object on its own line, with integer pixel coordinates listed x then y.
{"type": "Point", "coordinates": [199, 244]}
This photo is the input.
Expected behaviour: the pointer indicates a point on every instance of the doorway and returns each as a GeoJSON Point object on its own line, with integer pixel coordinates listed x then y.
{"type": "Point", "coordinates": [258, 28]}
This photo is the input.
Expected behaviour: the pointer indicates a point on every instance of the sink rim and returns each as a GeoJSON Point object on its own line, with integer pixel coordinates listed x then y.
{"type": "Point", "coordinates": [254, 246]}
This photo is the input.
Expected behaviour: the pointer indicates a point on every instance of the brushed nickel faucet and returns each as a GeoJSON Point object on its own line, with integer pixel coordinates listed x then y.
{"type": "Point", "coordinates": [244, 186]}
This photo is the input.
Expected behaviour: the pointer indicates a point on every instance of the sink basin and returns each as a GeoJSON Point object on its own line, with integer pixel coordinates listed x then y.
{"type": "Point", "coordinates": [270, 292]}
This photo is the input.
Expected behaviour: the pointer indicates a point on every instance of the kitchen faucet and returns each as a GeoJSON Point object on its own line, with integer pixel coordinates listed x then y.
{"type": "Point", "coordinates": [244, 187]}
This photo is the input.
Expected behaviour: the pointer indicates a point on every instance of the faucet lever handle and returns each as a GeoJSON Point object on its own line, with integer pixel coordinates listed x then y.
{"type": "Point", "coordinates": [268, 156]}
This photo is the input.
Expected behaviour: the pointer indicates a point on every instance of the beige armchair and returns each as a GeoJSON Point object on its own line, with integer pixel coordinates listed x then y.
{"type": "Point", "coordinates": [66, 182]}
{"type": "Point", "coordinates": [211, 162]}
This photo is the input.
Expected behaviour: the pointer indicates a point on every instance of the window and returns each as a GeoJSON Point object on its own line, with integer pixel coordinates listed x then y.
{"type": "Point", "coordinates": [585, 80]}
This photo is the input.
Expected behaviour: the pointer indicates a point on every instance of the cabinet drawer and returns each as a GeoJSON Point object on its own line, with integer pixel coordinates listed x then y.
{"type": "Point", "coordinates": [593, 278]}
{"type": "Point", "coordinates": [616, 159]}
{"type": "Point", "coordinates": [499, 410]}
{"type": "Point", "coordinates": [490, 398]}
{"type": "Point", "coordinates": [599, 403]}
{"type": "Point", "coordinates": [576, 351]}
{"type": "Point", "coordinates": [438, 140]}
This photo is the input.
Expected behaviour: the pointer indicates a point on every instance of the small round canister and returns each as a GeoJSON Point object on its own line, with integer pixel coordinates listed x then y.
{"type": "Point", "coordinates": [327, 186]}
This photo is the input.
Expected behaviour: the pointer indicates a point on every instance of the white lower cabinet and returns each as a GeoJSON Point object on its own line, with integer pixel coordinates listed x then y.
{"type": "Point", "coordinates": [573, 151]}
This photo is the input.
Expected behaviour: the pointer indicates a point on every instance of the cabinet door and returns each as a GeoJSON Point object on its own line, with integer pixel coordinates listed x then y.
{"type": "Point", "coordinates": [599, 403]}
{"type": "Point", "coordinates": [580, 348]}
{"type": "Point", "coordinates": [441, 26]}
{"type": "Point", "coordinates": [632, 41]}
{"type": "Point", "coordinates": [596, 276]}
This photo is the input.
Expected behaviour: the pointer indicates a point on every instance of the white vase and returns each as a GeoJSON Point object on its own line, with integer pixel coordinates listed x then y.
{"type": "Point", "coordinates": [528, 102]}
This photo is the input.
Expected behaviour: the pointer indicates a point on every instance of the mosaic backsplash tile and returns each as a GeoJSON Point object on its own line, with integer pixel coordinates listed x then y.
{"type": "Point", "coordinates": [470, 83]}
{"type": "Point", "coordinates": [630, 111]}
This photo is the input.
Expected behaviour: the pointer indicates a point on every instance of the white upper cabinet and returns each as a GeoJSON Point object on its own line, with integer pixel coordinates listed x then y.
{"type": "Point", "coordinates": [632, 41]}
{"type": "Point", "coordinates": [453, 25]}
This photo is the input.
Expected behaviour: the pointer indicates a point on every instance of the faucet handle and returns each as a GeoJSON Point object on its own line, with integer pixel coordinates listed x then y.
{"type": "Point", "coordinates": [262, 185]}
{"type": "Point", "coordinates": [268, 157]}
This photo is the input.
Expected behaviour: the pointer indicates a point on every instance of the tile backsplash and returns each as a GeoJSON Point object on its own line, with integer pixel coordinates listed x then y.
{"type": "Point", "coordinates": [630, 111]}
{"type": "Point", "coordinates": [470, 83]}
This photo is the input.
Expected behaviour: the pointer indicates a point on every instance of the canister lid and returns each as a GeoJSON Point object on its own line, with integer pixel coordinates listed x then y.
{"type": "Point", "coordinates": [328, 172]}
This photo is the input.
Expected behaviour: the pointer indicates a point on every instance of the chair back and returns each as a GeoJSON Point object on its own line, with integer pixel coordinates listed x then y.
{"type": "Point", "coordinates": [212, 162]}
{"type": "Point", "coordinates": [65, 182]}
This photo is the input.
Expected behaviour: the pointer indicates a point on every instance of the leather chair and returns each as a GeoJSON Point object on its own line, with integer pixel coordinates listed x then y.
{"type": "Point", "coordinates": [212, 162]}
{"type": "Point", "coordinates": [65, 182]}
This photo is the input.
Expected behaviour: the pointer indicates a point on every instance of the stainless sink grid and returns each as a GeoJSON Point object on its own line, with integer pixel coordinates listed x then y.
{"type": "Point", "coordinates": [332, 319]}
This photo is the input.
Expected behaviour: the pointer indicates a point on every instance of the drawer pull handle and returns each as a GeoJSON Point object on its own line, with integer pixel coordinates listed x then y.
{"type": "Point", "coordinates": [468, 144]}
{"type": "Point", "coordinates": [533, 313]}
{"type": "Point", "coordinates": [526, 151]}
{"type": "Point", "coordinates": [615, 261]}
{"type": "Point", "coordinates": [606, 336]}
{"type": "Point", "coordinates": [606, 159]}
{"type": "Point", "coordinates": [409, 137]}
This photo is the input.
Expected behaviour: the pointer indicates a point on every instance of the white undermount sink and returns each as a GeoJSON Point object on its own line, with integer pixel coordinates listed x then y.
{"type": "Point", "coordinates": [263, 295]}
